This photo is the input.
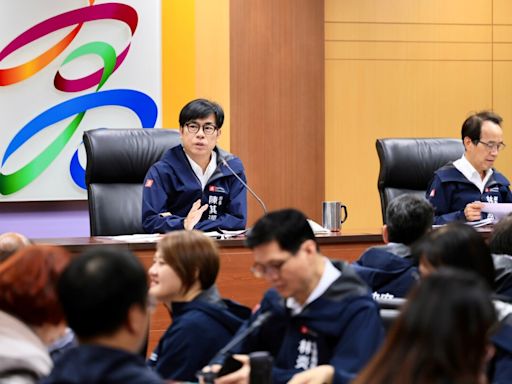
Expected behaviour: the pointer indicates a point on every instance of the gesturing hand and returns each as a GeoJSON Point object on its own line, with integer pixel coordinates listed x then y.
{"type": "Point", "coordinates": [194, 215]}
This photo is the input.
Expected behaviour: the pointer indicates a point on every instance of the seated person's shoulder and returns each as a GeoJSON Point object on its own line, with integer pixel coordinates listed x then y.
{"type": "Point", "coordinates": [449, 172]}
{"type": "Point", "coordinates": [500, 178]}
{"type": "Point", "coordinates": [348, 286]}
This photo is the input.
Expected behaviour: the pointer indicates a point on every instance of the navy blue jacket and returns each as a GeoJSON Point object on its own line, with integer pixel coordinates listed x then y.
{"type": "Point", "coordinates": [388, 269]}
{"type": "Point", "coordinates": [503, 277]}
{"type": "Point", "coordinates": [450, 191]}
{"type": "Point", "coordinates": [172, 186]}
{"type": "Point", "coordinates": [341, 328]}
{"type": "Point", "coordinates": [501, 367]}
{"type": "Point", "coordinates": [90, 364]}
{"type": "Point", "coordinates": [200, 328]}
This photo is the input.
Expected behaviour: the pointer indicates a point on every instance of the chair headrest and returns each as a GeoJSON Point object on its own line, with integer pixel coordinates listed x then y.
{"type": "Point", "coordinates": [411, 163]}
{"type": "Point", "coordinates": [125, 155]}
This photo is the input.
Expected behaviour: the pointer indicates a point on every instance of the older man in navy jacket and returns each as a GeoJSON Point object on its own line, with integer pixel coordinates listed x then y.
{"type": "Point", "coordinates": [459, 188]}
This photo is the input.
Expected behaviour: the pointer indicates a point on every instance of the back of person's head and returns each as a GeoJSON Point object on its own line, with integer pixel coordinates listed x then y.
{"type": "Point", "coordinates": [98, 289]}
{"type": "Point", "coordinates": [472, 126]}
{"type": "Point", "coordinates": [192, 255]}
{"type": "Point", "coordinates": [28, 284]}
{"type": "Point", "coordinates": [501, 237]}
{"type": "Point", "coordinates": [11, 242]}
{"type": "Point", "coordinates": [289, 228]}
{"type": "Point", "coordinates": [408, 217]}
{"type": "Point", "coordinates": [199, 109]}
{"type": "Point", "coordinates": [460, 246]}
{"type": "Point", "coordinates": [442, 334]}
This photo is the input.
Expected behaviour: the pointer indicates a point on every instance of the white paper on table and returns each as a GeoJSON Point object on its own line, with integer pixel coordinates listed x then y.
{"type": "Point", "coordinates": [480, 223]}
{"type": "Point", "coordinates": [233, 233]}
{"type": "Point", "coordinates": [137, 238]}
{"type": "Point", "coordinates": [498, 210]}
{"type": "Point", "coordinates": [225, 234]}
{"type": "Point", "coordinates": [317, 228]}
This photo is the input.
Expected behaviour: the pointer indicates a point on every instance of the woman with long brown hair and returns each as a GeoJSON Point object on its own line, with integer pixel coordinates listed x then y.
{"type": "Point", "coordinates": [442, 335]}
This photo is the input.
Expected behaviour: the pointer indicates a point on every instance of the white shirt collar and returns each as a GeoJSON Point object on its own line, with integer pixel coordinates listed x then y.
{"type": "Point", "coordinates": [467, 169]}
{"type": "Point", "coordinates": [330, 275]}
{"type": "Point", "coordinates": [210, 169]}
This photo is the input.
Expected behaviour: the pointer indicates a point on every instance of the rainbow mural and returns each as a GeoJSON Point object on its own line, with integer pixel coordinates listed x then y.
{"type": "Point", "coordinates": [83, 93]}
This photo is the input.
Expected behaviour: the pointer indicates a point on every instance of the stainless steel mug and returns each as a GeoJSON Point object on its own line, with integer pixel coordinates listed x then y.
{"type": "Point", "coordinates": [333, 215]}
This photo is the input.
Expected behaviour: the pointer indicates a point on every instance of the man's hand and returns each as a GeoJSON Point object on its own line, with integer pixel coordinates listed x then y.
{"type": "Point", "coordinates": [323, 374]}
{"type": "Point", "coordinates": [238, 377]}
{"type": "Point", "coordinates": [473, 211]}
{"type": "Point", "coordinates": [194, 215]}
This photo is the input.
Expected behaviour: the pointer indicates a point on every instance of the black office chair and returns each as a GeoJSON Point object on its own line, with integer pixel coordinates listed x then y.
{"type": "Point", "coordinates": [408, 165]}
{"type": "Point", "coordinates": [117, 162]}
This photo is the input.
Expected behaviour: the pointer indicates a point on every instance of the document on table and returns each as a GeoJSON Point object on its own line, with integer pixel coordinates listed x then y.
{"type": "Point", "coordinates": [480, 223]}
{"type": "Point", "coordinates": [225, 234]}
{"type": "Point", "coordinates": [317, 228]}
{"type": "Point", "coordinates": [137, 238]}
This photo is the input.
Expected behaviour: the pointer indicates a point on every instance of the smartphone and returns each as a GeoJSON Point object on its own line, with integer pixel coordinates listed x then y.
{"type": "Point", "coordinates": [230, 365]}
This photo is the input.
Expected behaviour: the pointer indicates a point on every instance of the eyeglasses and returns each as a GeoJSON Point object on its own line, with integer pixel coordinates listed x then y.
{"type": "Point", "coordinates": [208, 128]}
{"type": "Point", "coordinates": [271, 269]}
{"type": "Point", "coordinates": [491, 145]}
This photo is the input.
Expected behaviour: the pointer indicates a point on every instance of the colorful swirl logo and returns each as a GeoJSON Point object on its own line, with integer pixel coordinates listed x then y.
{"type": "Point", "coordinates": [138, 102]}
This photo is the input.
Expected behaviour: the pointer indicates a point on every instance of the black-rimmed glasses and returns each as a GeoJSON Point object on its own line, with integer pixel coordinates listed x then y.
{"type": "Point", "coordinates": [492, 145]}
{"type": "Point", "coordinates": [208, 128]}
{"type": "Point", "coordinates": [271, 269]}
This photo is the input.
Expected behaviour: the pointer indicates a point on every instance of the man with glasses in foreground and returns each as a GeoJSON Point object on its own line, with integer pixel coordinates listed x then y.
{"type": "Point", "coordinates": [459, 188]}
{"type": "Point", "coordinates": [323, 322]}
{"type": "Point", "coordinates": [191, 187]}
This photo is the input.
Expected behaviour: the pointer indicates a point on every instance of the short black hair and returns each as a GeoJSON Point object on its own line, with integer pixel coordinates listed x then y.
{"type": "Point", "coordinates": [408, 217]}
{"type": "Point", "coordinates": [98, 288]}
{"type": "Point", "coordinates": [199, 109]}
{"type": "Point", "coordinates": [288, 227]}
{"type": "Point", "coordinates": [458, 245]}
{"type": "Point", "coordinates": [501, 237]}
{"type": "Point", "coordinates": [472, 126]}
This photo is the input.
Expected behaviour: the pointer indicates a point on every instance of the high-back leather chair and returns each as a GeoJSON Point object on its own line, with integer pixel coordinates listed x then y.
{"type": "Point", "coordinates": [408, 165]}
{"type": "Point", "coordinates": [117, 162]}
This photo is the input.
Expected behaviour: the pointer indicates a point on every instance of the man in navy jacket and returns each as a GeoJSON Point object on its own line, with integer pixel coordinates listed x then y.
{"type": "Point", "coordinates": [390, 269]}
{"type": "Point", "coordinates": [322, 322]}
{"type": "Point", "coordinates": [459, 188]}
{"type": "Point", "coordinates": [104, 295]}
{"type": "Point", "coordinates": [192, 186]}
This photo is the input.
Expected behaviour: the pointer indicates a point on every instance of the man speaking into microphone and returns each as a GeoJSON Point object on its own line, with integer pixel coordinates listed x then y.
{"type": "Point", "coordinates": [191, 187]}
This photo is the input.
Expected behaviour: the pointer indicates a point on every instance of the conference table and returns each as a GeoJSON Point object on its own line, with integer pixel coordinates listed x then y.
{"type": "Point", "coordinates": [235, 281]}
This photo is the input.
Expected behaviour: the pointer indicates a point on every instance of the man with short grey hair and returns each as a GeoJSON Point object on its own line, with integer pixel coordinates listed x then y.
{"type": "Point", "coordinates": [390, 269]}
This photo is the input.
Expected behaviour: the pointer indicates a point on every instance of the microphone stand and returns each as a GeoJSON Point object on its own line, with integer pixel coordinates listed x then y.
{"type": "Point", "coordinates": [209, 377]}
{"type": "Point", "coordinates": [225, 163]}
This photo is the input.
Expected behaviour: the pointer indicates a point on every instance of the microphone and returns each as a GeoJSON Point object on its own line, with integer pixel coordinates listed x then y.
{"type": "Point", "coordinates": [262, 204]}
{"type": "Point", "coordinates": [230, 364]}
{"type": "Point", "coordinates": [258, 322]}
